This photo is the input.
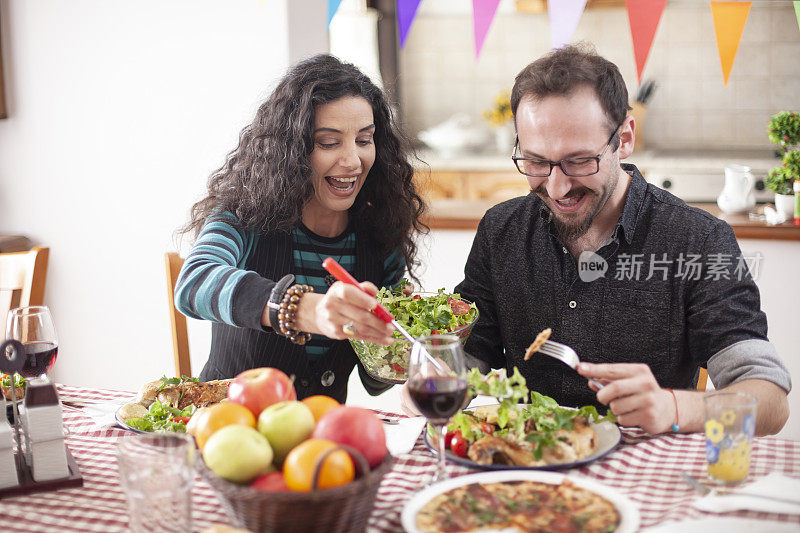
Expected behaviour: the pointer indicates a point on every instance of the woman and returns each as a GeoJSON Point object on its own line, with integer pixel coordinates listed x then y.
{"type": "Point", "coordinates": [321, 171]}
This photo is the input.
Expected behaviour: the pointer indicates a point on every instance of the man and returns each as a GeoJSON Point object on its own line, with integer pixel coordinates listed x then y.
{"type": "Point", "coordinates": [645, 288]}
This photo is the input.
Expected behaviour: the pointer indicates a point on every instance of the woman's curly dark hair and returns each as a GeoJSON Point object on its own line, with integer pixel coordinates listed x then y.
{"type": "Point", "coordinates": [266, 180]}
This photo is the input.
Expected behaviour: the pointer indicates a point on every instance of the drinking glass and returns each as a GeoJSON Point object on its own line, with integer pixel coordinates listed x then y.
{"type": "Point", "coordinates": [438, 385]}
{"type": "Point", "coordinates": [156, 470]}
{"type": "Point", "coordinates": [730, 423]}
{"type": "Point", "coordinates": [33, 327]}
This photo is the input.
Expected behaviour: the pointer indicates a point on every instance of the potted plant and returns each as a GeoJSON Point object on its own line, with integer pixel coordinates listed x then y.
{"type": "Point", "coordinates": [784, 130]}
{"type": "Point", "coordinates": [499, 117]}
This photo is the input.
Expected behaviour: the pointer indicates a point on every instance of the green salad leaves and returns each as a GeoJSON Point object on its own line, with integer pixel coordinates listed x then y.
{"type": "Point", "coordinates": [19, 381]}
{"type": "Point", "coordinates": [419, 314]}
{"type": "Point", "coordinates": [536, 422]}
{"type": "Point", "coordinates": [424, 314]}
{"type": "Point", "coordinates": [160, 418]}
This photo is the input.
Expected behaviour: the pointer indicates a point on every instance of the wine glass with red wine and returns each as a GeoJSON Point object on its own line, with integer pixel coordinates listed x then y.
{"type": "Point", "coordinates": [438, 388]}
{"type": "Point", "coordinates": [33, 328]}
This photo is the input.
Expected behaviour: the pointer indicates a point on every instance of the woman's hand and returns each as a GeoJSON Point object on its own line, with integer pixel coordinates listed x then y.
{"type": "Point", "coordinates": [344, 309]}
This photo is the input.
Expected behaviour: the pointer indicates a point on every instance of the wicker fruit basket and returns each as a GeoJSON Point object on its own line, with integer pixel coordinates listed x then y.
{"type": "Point", "coordinates": [346, 508]}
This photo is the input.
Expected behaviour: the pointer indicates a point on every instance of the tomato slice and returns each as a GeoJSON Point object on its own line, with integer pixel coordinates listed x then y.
{"type": "Point", "coordinates": [448, 437]}
{"type": "Point", "coordinates": [486, 427]}
{"type": "Point", "coordinates": [184, 419]}
{"type": "Point", "coordinates": [397, 368]}
{"type": "Point", "coordinates": [459, 444]}
{"type": "Point", "coordinates": [459, 307]}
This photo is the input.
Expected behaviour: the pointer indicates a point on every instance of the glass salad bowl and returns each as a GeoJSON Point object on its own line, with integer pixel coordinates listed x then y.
{"type": "Point", "coordinates": [416, 313]}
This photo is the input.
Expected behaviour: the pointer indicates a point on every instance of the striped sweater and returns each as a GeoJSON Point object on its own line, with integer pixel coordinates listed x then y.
{"type": "Point", "coordinates": [215, 269]}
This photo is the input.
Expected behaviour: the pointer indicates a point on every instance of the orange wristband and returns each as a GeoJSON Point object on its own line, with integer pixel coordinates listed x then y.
{"type": "Point", "coordinates": [676, 426]}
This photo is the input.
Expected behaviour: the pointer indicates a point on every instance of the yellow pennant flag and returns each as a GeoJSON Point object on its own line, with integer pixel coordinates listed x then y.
{"type": "Point", "coordinates": [729, 20]}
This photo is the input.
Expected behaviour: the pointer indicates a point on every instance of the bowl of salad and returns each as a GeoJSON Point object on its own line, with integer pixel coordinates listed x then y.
{"type": "Point", "coordinates": [422, 313]}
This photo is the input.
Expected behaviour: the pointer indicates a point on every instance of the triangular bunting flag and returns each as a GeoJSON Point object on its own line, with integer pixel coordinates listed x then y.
{"type": "Point", "coordinates": [564, 17]}
{"type": "Point", "coordinates": [729, 20]}
{"type": "Point", "coordinates": [483, 12]}
{"type": "Point", "coordinates": [333, 6]}
{"type": "Point", "coordinates": [406, 11]}
{"type": "Point", "coordinates": [643, 16]}
{"type": "Point", "coordinates": [797, 11]}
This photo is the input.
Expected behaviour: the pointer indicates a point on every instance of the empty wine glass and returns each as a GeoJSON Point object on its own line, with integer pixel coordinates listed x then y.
{"type": "Point", "coordinates": [33, 327]}
{"type": "Point", "coordinates": [438, 390]}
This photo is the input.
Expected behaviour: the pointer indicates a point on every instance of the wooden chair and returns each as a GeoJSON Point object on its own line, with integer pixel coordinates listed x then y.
{"type": "Point", "coordinates": [702, 379]}
{"type": "Point", "coordinates": [180, 338]}
{"type": "Point", "coordinates": [22, 280]}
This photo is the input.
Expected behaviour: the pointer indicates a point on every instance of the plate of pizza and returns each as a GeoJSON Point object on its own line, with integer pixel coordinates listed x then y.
{"type": "Point", "coordinates": [520, 500]}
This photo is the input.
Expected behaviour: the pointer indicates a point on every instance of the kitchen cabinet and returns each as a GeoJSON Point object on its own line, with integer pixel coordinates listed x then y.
{"type": "Point", "coordinates": [493, 186]}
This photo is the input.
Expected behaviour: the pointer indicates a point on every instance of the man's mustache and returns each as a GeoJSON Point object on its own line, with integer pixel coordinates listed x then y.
{"type": "Point", "coordinates": [542, 192]}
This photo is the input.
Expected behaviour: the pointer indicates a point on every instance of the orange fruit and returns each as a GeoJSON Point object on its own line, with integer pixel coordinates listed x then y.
{"type": "Point", "coordinates": [298, 468]}
{"type": "Point", "coordinates": [320, 405]}
{"type": "Point", "coordinates": [193, 423]}
{"type": "Point", "coordinates": [217, 417]}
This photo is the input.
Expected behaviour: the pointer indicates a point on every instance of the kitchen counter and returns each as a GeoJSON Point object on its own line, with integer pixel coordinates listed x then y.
{"type": "Point", "coordinates": [465, 214]}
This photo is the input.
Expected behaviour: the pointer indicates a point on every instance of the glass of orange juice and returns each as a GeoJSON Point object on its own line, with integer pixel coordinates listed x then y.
{"type": "Point", "coordinates": [730, 425]}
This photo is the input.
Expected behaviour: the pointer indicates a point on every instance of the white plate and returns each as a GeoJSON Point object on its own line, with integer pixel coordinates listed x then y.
{"type": "Point", "coordinates": [629, 514]}
{"type": "Point", "coordinates": [121, 423]}
{"type": "Point", "coordinates": [608, 437]}
{"type": "Point", "coordinates": [704, 525]}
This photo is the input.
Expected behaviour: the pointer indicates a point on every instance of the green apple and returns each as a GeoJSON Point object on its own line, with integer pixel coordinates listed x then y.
{"type": "Point", "coordinates": [238, 453]}
{"type": "Point", "coordinates": [285, 424]}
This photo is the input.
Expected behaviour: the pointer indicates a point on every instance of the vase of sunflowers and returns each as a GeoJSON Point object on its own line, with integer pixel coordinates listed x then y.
{"type": "Point", "coordinates": [501, 118]}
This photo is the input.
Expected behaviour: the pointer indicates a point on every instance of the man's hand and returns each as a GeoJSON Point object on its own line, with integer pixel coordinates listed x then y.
{"type": "Point", "coordinates": [633, 394]}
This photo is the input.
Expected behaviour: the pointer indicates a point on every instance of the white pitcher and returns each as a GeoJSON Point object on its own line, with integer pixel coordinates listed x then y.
{"type": "Point", "coordinates": [737, 194]}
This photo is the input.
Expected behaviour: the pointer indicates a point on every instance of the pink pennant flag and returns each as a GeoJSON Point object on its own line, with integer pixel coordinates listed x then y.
{"type": "Point", "coordinates": [406, 11]}
{"type": "Point", "coordinates": [483, 12]}
{"type": "Point", "coordinates": [643, 16]}
{"type": "Point", "coordinates": [564, 17]}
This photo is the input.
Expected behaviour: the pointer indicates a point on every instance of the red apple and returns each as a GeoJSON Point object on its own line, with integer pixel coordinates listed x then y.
{"type": "Point", "coordinates": [356, 427]}
{"type": "Point", "coordinates": [258, 388]}
{"type": "Point", "coordinates": [272, 482]}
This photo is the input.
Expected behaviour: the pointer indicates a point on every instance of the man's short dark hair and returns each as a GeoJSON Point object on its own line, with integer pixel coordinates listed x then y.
{"type": "Point", "coordinates": [567, 69]}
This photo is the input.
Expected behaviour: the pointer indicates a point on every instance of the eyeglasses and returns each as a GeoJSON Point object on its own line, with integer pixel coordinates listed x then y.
{"type": "Point", "coordinates": [573, 166]}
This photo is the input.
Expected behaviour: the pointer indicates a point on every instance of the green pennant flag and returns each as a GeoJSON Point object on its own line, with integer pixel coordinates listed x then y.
{"type": "Point", "coordinates": [797, 12]}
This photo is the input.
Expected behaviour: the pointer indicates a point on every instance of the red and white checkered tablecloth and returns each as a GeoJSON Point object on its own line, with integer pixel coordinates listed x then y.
{"type": "Point", "coordinates": [646, 469]}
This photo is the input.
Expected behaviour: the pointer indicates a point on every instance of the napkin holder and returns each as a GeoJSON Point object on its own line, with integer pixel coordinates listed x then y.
{"type": "Point", "coordinates": [34, 446]}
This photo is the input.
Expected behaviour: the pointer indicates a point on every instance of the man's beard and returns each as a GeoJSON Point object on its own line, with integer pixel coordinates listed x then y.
{"type": "Point", "coordinates": [569, 232]}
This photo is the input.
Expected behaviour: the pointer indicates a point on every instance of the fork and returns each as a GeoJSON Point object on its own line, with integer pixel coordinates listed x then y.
{"type": "Point", "coordinates": [704, 490]}
{"type": "Point", "coordinates": [566, 355]}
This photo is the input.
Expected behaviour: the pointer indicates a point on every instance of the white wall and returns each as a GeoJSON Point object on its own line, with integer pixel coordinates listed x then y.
{"type": "Point", "coordinates": [118, 113]}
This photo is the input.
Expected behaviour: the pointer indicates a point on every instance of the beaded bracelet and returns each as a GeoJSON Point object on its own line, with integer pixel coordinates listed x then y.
{"type": "Point", "coordinates": [676, 426]}
{"type": "Point", "coordinates": [288, 312]}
